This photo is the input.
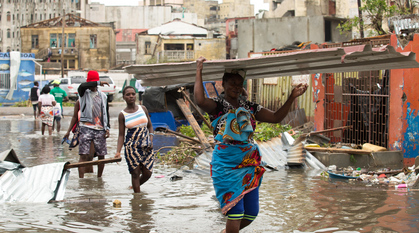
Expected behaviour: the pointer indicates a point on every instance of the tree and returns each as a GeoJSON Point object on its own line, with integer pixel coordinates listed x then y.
{"type": "Point", "coordinates": [376, 11]}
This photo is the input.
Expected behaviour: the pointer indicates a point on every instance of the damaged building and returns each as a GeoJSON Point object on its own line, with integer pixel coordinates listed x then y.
{"type": "Point", "coordinates": [178, 41]}
{"type": "Point", "coordinates": [87, 45]}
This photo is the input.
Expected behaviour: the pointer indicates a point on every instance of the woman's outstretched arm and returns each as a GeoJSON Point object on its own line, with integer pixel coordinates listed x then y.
{"type": "Point", "coordinates": [203, 102]}
{"type": "Point", "coordinates": [267, 115]}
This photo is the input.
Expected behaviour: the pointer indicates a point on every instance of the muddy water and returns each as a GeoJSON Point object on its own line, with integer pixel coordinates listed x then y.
{"type": "Point", "coordinates": [291, 200]}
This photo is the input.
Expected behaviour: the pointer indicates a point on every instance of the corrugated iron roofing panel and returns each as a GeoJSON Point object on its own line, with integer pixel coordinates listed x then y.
{"type": "Point", "coordinates": [177, 28]}
{"type": "Point", "coordinates": [273, 153]}
{"type": "Point", "coordinates": [34, 184]}
{"type": "Point", "coordinates": [330, 60]}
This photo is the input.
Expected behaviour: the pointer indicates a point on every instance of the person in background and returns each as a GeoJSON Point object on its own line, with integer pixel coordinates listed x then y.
{"type": "Point", "coordinates": [46, 102]}
{"type": "Point", "coordinates": [140, 90]}
{"type": "Point", "coordinates": [236, 168]}
{"type": "Point", "coordinates": [60, 95]}
{"type": "Point", "coordinates": [94, 121]}
{"type": "Point", "coordinates": [49, 54]}
{"type": "Point", "coordinates": [138, 140]}
{"type": "Point", "coordinates": [35, 93]}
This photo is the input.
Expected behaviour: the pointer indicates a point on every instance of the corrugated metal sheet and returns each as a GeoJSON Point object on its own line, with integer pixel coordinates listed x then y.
{"type": "Point", "coordinates": [178, 28]}
{"type": "Point", "coordinates": [330, 60]}
{"type": "Point", "coordinates": [273, 96]}
{"type": "Point", "coordinates": [34, 184]}
{"type": "Point", "coordinates": [273, 152]}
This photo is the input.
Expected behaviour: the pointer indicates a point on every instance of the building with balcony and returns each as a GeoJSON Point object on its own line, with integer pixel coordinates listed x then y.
{"type": "Point", "coordinates": [177, 41]}
{"type": "Point", "coordinates": [14, 14]}
{"type": "Point", "coordinates": [126, 46]}
{"type": "Point", "coordinates": [87, 45]}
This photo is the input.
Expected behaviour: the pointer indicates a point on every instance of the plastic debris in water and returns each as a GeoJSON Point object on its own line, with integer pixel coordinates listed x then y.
{"type": "Point", "coordinates": [175, 177]}
{"type": "Point", "coordinates": [117, 203]}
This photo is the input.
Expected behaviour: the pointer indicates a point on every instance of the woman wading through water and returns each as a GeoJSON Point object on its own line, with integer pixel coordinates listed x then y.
{"type": "Point", "coordinates": [235, 165]}
{"type": "Point", "coordinates": [138, 143]}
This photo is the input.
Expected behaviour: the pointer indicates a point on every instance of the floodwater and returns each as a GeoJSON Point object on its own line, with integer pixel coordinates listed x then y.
{"type": "Point", "coordinates": [290, 200]}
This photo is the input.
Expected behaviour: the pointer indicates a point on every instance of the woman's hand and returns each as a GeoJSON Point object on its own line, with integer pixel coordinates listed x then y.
{"type": "Point", "coordinates": [150, 146]}
{"type": "Point", "coordinates": [66, 135]}
{"type": "Point", "coordinates": [117, 155]}
{"type": "Point", "coordinates": [200, 63]}
{"type": "Point", "coordinates": [103, 83]}
{"type": "Point", "coordinates": [107, 133]}
{"type": "Point", "coordinates": [299, 90]}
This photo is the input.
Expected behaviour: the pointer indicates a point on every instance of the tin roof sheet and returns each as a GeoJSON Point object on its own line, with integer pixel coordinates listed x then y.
{"type": "Point", "coordinates": [34, 184]}
{"type": "Point", "coordinates": [273, 152]}
{"type": "Point", "coordinates": [177, 28]}
{"type": "Point", "coordinates": [330, 60]}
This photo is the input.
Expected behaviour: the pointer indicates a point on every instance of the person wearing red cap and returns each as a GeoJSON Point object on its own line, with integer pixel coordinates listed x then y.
{"type": "Point", "coordinates": [94, 121]}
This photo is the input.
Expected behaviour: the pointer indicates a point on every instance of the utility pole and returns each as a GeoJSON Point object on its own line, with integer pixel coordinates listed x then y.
{"type": "Point", "coordinates": [361, 21]}
{"type": "Point", "coordinates": [62, 44]}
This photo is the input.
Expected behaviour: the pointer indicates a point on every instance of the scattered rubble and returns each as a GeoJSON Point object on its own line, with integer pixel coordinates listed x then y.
{"type": "Point", "coordinates": [402, 178]}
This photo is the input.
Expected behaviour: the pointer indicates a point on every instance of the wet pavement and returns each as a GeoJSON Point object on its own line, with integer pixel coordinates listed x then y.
{"type": "Point", "coordinates": [290, 200]}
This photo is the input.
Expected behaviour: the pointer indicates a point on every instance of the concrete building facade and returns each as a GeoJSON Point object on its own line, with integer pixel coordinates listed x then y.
{"type": "Point", "coordinates": [87, 45]}
{"type": "Point", "coordinates": [133, 19]}
{"type": "Point", "coordinates": [259, 35]}
{"type": "Point", "coordinates": [15, 14]}
{"type": "Point", "coordinates": [207, 11]}
{"type": "Point", "coordinates": [337, 8]}
{"type": "Point", "coordinates": [178, 41]}
{"type": "Point", "coordinates": [236, 8]}
{"type": "Point", "coordinates": [126, 46]}
{"type": "Point", "coordinates": [130, 17]}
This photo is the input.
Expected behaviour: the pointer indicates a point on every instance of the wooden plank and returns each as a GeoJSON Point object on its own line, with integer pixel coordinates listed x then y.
{"type": "Point", "coordinates": [328, 130]}
{"type": "Point", "coordinates": [336, 150]}
{"type": "Point", "coordinates": [163, 129]}
{"type": "Point", "coordinates": [196, 108]}
{"type": "Point", "coordinates": [89, 163]}
{"type": "Point", "coordinates": [192, 121]}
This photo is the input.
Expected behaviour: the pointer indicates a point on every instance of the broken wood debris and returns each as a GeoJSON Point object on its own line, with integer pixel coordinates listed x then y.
{"type": "Point", "coordinates": [337, 150]}
{"type": "Point", "coordinates": [89, 163]}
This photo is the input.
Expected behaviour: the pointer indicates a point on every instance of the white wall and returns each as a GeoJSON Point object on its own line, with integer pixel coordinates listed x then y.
{"type": "Point", "coordinates": [129, 17]}
{"type": "Point", "coordinates": [260, 35]}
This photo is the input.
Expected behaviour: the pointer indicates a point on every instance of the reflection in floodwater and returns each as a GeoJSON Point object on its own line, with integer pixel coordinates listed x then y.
{"type": "Point", "coordinates": [141, 219]}
{"type": "Point", "coordinates": [290, 200]}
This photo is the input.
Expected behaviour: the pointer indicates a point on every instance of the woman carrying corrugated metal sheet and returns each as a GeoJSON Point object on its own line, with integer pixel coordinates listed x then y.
{"type": "Point", "coordinates": [235, 167]}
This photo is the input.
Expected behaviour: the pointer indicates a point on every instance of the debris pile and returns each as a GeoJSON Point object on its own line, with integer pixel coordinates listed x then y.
{"type": "Point", "coordinates": [401, 178]}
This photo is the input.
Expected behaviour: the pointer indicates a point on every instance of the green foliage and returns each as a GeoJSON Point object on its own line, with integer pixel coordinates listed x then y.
{"type": "Point", "coordinates": [352, 159]}
{"type": "Point", "coordinates": [375, 11]}
{"type": "Point", "coordinates": [153, 60]}
{"type": "Point", "coordinates": [266, 131]}
{"type": "Point", "coordinates": [188, 131]}
{"type": "Point", "coordinates": [182, 154]}
{"type": "Point", "coordinates": [23, 103]}
{"type": "Point", "coordinates": [68, 104]}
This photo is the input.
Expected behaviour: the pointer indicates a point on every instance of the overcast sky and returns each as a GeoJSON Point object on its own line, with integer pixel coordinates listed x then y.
{"type": "Point", "coordinates": [257, 3]}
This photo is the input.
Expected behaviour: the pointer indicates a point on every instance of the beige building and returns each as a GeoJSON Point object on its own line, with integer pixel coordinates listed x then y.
{"type": "Point", "coordinates": [207, 11]}
{"type": "Point", "coordinates": [337, 8]}
{"type": "Point", "coordinates": [236, 8]}
{"type": "Point", "coordinates": [15, 14]}
{"type": "Point", "coordinates": [177, 41]}
{"type": "Point", "coordinates": [87, 45]}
